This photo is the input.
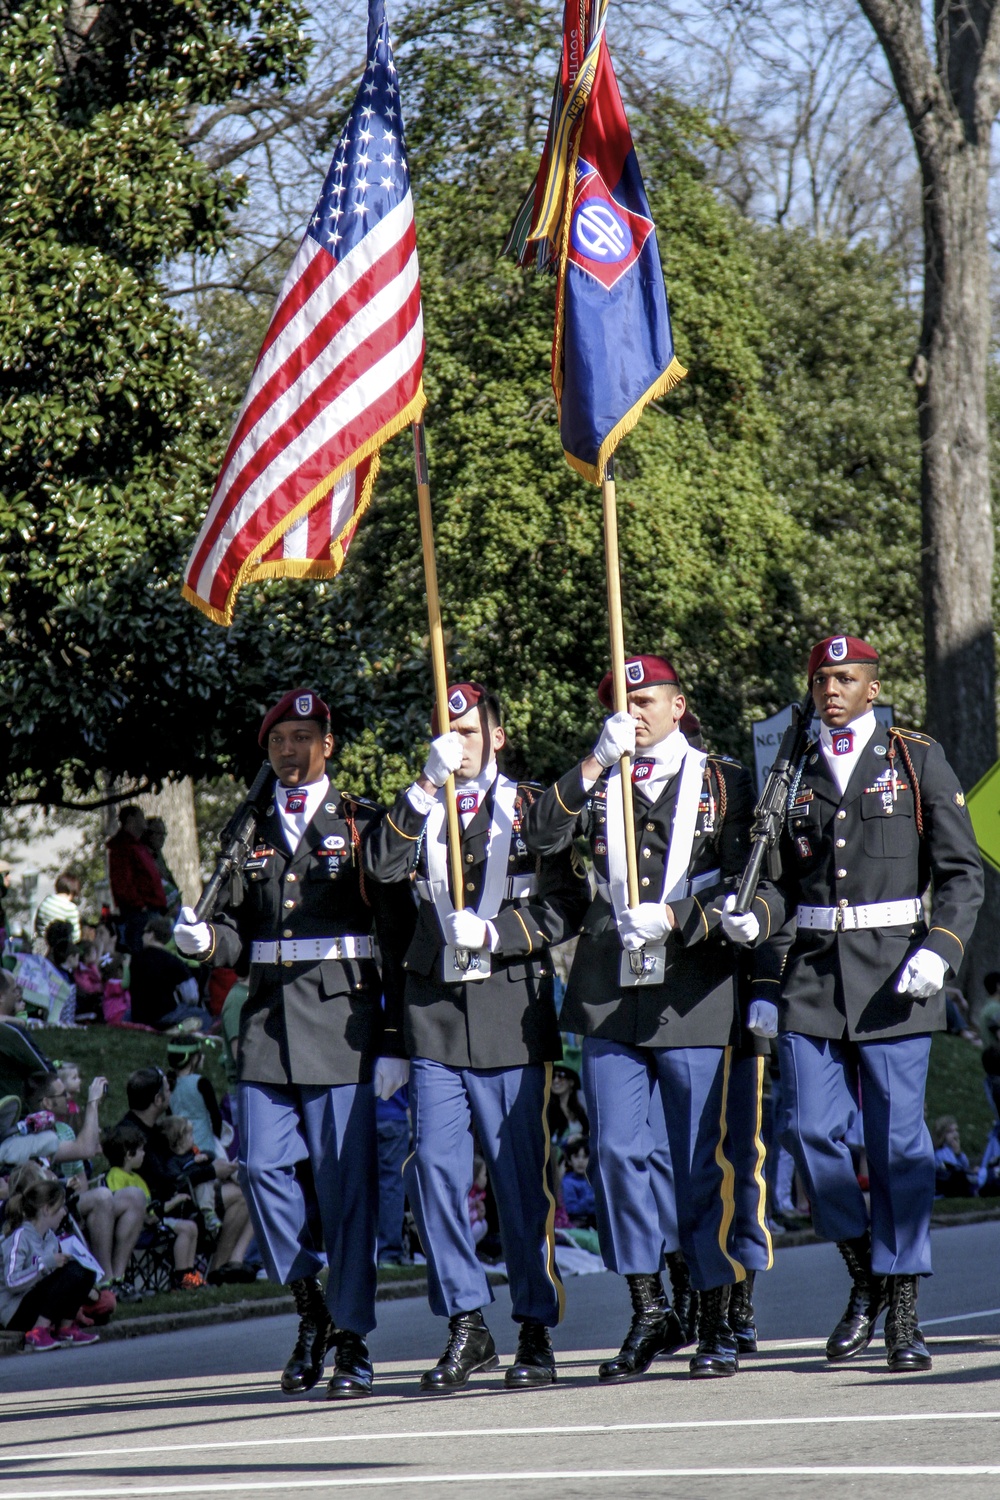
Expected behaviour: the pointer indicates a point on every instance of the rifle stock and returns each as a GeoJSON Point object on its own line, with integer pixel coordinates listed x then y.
{"type": "Point", "coordinates": [234, 841]}
{"type": "Point", "coordinates": [769, 814]}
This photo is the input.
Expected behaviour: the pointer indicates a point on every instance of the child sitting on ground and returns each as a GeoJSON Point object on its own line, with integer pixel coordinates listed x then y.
{"type": "Point", "coordinates": [178, 1133]}
{"type": "Point", "coordinates": [125, 1150]}
{"type": "Point", "coordinates": [117, 1002]}
{"type": "Point", "coordinates": [952, 1178]}
{"type": "Point", "coordinates": [89, 984]}
{"type": "Point", "coordinates": [578, 1195]}
{"type": "Point", "coordinates": [41, 1288]}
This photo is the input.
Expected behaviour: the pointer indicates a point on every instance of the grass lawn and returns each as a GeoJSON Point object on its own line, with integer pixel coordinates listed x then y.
{"type": "Point", "coordinates": [955, 1087]}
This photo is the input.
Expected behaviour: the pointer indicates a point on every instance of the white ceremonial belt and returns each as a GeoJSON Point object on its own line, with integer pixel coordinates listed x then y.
{"type": "Point", "coordinates": [519, 887]}
{"type": "Point", "coordinates": [852, 918]}
{"type": "Point", "coordinates": [310, 950]}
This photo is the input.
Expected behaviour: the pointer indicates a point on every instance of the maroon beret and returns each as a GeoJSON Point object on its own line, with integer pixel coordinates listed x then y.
{"type": "Point", "coordinates": [689, 725]}
{"type": "Point", "coordinates": [300, 703]}
{"type": "Point", "coordinates": [838, 650]}
{"type": "Point", "coordinates": [640, 672]}
{"type": "Point", "coordinates": [461, 697]}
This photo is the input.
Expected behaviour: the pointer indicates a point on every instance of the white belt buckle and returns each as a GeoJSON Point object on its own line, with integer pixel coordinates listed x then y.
{"type": "Point", "coordinates": [337, 951]}
{"type": "Point", "coordinates": [465, 965]}
{"type": "Point", "coordinates": [639, 966]}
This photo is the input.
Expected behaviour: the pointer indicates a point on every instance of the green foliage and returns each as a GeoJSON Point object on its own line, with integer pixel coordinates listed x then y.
{"type": "Point", "coordinates": [748, 497]}
{"type": "Point", "coordinates": [847, 457]}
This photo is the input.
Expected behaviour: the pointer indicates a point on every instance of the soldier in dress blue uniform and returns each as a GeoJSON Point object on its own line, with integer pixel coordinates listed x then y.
{"type": "Point", "coordinates": [301, 919]}
{"type": "Point", "coordinates": [857, 976]}
{"type": "Point", "coordinates": [652, 990]}
{"type": "Point", "coordinates": [481, 1032]}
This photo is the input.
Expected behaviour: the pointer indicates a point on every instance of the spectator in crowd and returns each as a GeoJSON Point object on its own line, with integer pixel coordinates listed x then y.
{"type": "Point", "coordinates": [179, 1135]}
{"type": "Point", "coordinates": [61, 906]}
{"type": "Point", "coordinates": [116, 1001]}
{"type": "Point", "coordinates": [477, 1200]}
{"type": "Point", "coordinates": [125, 1150]}
{"type": "Point", "coordinates": [392, 1123]}
{"type": "Point", "coordinates": [112, 1222]}
{"type": "Point", "coordinates": [567, 1116]}
{"type": "Point", "coordinates": [4, 888]}
{"type": "Point", "coordinates": [41, 1288]}
{"type": "Point", "coordinates": [135, 880]}
{"type": "Point", "coordinates": [60, 952]}
{"type": "Point", "coordinates": [11, 996]}
{"type": "Point", "coordinates": [164, 992]}
{"type": "Point", "coordinates": [89, 983]}
{"type": "Point", "coordinates": [989, 1014]}
{"type": "Point", "coordinates": [192, 1095]}
{"type": "Point", "coordinates": [154, 836]}
{"type": "Point", "coordinates": [69, 1073]}
{"type": "Point", "coordinates": [952, 1175]}
{"type": "Point", "coordinates": [578, 1195]}
{"type": "Point", "coordinates": [149, 1100]}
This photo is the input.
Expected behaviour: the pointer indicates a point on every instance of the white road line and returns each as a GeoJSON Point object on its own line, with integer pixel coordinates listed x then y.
{"type": "Point", "coordinates": [989, 1312]}
{"type": "Point", "coordinates": [243, 1487]}
{"type": "Point", "coordinates": [578, 1430]}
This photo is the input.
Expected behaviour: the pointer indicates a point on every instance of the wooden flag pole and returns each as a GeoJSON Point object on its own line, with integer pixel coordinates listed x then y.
{"type": "Point", "coordinates": [617, 632]}
{"type": "Point", "coordinates": [439, 670]}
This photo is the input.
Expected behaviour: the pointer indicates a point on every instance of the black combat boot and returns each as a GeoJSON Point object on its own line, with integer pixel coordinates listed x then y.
{"type": "Point", "coordinates": [716, 1353]}
{"type": "Point", "coordinates": [741, 1315]}
{"type": "Point", "coordinates": [683, 1295]}
{"type": "Point", "coordinates": [654, 1330]}
{"type": "Point", "coordinates": [868, 1297]}
{"type": "Point", "coordinates": [470, 1348]}
{"type": "Point", "coordinates": [352, 1371]}
{"type": "Point", "coordinates": [535, 1360]}
{"type": "Point", "coordinates": [904, 1343]}
{"type": "Point", "coordinates": [316, 1335]}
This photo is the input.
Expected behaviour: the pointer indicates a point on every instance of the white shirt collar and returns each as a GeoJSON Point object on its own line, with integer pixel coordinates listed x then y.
{"type": "Point", "coordinates": [842, 766]}
{"type": "Point", "coordinates": [666, 755]}
{"type": "Point", "coordinates": [294, 824]}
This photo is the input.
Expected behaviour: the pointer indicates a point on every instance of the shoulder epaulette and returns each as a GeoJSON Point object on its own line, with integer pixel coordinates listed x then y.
{"type": "Point", "coordinates": [912, 734]}
{"type": "Point", "coordinates": [726, 760]}
{"type": "Point", "coordinates": [366, 803]}
{"type": "Point", "coordinates": [535, 788]}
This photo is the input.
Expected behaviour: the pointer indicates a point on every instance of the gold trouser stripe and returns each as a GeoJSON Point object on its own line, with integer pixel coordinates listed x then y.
{"type": "Point", "coordinates": [758, 1172]}
{"type": "Point", "coordinates": [550, 1218]}
{"type": "Point", "coordinates": [727, 1190]}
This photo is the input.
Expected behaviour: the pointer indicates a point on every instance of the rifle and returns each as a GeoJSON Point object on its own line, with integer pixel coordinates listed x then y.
{"type": "Point", "coordinates": [235, 840]}
{"type": "Point", "coordinates": [769, 814]}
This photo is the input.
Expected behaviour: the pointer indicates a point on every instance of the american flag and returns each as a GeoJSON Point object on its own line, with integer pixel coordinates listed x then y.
{"type": "Point", "coordinates": [339, 371]}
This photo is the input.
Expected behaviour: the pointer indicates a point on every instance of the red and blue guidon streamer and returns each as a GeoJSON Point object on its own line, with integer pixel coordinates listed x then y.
{"type": "Point", "coordinates": [613, 350]}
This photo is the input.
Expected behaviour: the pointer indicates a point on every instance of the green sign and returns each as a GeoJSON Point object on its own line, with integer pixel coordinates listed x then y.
{"type": "Point", "coordinates": [984, 809]}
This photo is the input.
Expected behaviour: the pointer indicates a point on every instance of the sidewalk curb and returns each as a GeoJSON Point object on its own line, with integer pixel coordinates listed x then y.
{"type": "Point", "coordinates": [226, 1312]}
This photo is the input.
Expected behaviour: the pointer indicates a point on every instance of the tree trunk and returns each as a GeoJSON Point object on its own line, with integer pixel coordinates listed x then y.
{"type": "Point", "coordinates": [957, 514]}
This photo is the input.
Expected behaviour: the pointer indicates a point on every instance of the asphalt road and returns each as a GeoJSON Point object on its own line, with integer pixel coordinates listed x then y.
{"type": "Point", "coordinates": [199, 1414]}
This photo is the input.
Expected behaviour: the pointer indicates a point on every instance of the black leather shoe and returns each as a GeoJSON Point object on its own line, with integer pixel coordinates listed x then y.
{"type": "Point", "coordinates": [904, 1343]}
{"type": "Point", "coordinates": [352, 1372]}
{"type": "Point", "coordinates": [654, 1330]}
{"type": "Point", "coordinates": [683, 1295]}
{"type": "Point", "coordinates": [868, 1297]}
{"type": "Point", "coordinates": [470, 1348]}
{"type": "Point", "coordinates": [740, 1316]}
{"type": "Point", "coordinates": [315, 1336]}
{"type": "Point", "coordinates": [535, 1360]}
{"type": "Point", "coordinates": [716, 1354]}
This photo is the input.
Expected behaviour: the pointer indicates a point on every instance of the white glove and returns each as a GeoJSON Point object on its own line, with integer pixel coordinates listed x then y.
{"type": "Point", "coordinates": [647, 923]}
{"type": "Point", "coordinates": [617, 739]}
{"type": "Point", "coordinates": [739, 929]}
{"type": "Point", "coordinates": [762, 1018]}
{"type": "Point", "coordinates": [388, 1075]}
{"type": "Point", "coordinates": [443, 758]}
{"type": "Point", "coordinates": [193, 938]}
{"type": "Point", "coordinates": [923, 975]}
{"type": "Point", "coordinates": [463, 929]}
